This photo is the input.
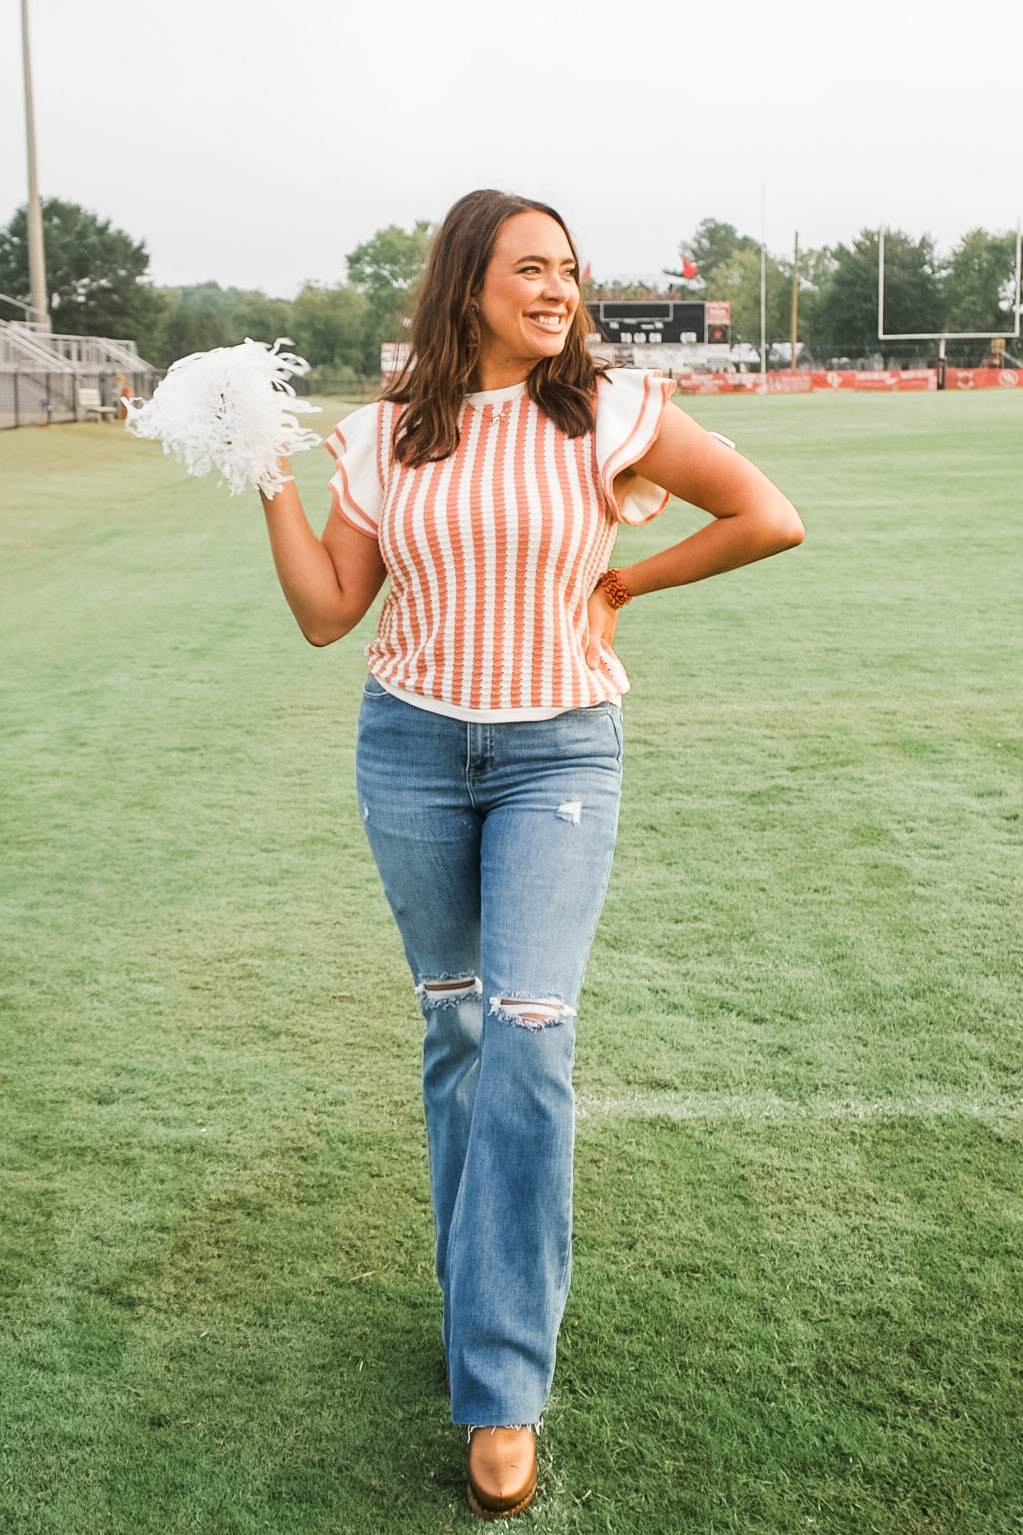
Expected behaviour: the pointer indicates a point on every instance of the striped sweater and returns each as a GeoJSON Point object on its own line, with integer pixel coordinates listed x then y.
{"type": "Point", "coordinates": [493, 552]}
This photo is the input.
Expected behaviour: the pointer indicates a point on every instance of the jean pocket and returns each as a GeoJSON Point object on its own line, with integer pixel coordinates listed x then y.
{"type": "Point", "coordinates": [374, 689]}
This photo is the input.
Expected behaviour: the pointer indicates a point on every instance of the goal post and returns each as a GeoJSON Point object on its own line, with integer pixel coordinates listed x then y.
{"type": "Point", "coordinates": [947, 335]}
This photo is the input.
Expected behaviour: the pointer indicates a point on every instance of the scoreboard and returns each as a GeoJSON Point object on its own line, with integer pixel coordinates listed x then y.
{"type": "Point", "coordinates": [650, 322]}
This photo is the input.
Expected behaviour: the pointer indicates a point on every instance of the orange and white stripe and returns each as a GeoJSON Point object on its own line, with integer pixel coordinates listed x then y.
{"type": "Point", "coordinates": [493, 552]}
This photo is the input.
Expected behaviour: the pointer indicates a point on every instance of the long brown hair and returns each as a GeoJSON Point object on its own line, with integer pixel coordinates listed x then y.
{"type": "Point", "coordinates": [445, 337]}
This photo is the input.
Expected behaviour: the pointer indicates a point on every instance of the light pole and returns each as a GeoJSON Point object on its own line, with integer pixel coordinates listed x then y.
{"type": "Point", "coordinates": [36, 259]}
{"type": "Point", "coordinates": [763, 287]}
{"type": "Point", "coordinates": [795, 304]}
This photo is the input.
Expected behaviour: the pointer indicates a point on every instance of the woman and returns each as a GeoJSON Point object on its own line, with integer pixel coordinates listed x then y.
{"type": "Point", "coordinates": [487, 486]}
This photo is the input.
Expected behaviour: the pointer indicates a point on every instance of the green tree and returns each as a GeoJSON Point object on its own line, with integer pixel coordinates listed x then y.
{"type": "Point", "coordinates": [737, 280]}
{"type": "Point", "coordinates": [205, 315]}
{"type": "Point", "coordinates": [713, 244]}
{"type": "Point", "coordinates": [263, 318]}
{"type": "Point", "coordinates": [386, 270]}
{"type": "Point", "coordinates": [617, 291]}
{"type": "Point", "coordinates": [815, 268]}
{"type": "Point", "coordinates": [198, 317]}
{"type": "Point", "coordinates": [329, 327]}
{"type": "Point", "coordinates": [94, 273]}
{"type": "Point", "coordinates": [979, 282]}
{"type": "Point", "coordinates": [846, 321]}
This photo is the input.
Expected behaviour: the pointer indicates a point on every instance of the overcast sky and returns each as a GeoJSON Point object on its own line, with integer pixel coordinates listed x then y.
{"type": "Point", "coordinates": [255, 143]}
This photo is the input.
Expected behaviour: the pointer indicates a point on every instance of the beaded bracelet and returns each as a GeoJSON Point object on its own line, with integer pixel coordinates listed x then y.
{"type": "Point", "coordinates": [614, 589]}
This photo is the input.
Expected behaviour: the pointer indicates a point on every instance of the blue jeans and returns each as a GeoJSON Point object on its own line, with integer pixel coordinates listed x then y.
{"type": "Point", "coordinates": [494, 845]}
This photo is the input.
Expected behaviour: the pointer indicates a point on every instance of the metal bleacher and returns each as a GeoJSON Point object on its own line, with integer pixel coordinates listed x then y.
{"type": "Point", "coordinates": [43, 376]}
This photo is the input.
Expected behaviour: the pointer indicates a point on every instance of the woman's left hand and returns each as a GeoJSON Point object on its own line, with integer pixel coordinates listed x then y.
{"type": "Point", "coordinates": [603, 623]}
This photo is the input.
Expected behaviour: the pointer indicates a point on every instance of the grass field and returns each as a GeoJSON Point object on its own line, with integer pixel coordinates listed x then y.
{"type": "Point", "coordinates": [798, 1298]}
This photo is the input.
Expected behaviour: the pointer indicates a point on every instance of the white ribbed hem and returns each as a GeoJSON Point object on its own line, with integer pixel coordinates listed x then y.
{"type": "Point", "coordinates": [481, 716]}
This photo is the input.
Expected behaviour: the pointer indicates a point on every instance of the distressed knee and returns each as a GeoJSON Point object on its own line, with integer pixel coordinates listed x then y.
{"type": "Point", "coordinates": [531, 1012]}
{"type": "Point", "coordinates": [449, 991]}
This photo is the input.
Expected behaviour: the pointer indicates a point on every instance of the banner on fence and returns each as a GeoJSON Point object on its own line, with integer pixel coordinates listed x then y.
{"type": "Point", "coordinates": [720, 383]}
{"type": "Point", "coordinates": [877, 378]}
{"type": "Point", "coordinates": [804, 382]}
{"type": "Point", "coordinates": [984, 378]}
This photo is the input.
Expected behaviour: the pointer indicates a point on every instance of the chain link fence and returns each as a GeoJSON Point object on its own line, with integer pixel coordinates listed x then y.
{"type": "Point", "coordinates": [37, 397]}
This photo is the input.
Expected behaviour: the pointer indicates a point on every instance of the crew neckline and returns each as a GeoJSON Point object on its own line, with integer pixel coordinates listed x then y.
{"type": "Point", "coordinates": [497, 396]}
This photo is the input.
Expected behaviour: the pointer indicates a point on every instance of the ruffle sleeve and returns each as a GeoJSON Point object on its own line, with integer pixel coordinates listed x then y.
{"type": "Point", "coordinates": [630, 406]}
{"type": "Point", "coordinates": [357, 485]}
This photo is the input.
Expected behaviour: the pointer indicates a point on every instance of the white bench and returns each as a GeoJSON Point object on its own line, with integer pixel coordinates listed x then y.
{"type": "Point", "coordinates": [89, 404]}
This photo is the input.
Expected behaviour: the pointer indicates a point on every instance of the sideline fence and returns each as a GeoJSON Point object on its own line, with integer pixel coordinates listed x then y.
{"type": "Point", "coordinates": [777, 381]}
{"type": "Point", "coordinates": [833, 380]}
{"type": "Point", "coordinates": [37, 398]}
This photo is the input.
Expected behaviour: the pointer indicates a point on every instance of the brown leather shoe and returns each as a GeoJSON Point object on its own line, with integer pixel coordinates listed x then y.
{"type": "Point", "coordinates": [502, 1471]}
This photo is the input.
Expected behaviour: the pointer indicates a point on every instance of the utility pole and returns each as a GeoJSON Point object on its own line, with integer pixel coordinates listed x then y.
{"type": "Point", "coordinates": [795, 305]}
{"type": "Point", "coordinates": [36, 259]}
{"type": "Point", "coordinates": [763, 287]}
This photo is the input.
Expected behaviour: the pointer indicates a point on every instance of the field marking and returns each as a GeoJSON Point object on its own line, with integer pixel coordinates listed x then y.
{"type": "Point", "coordinates": [768, 1107]}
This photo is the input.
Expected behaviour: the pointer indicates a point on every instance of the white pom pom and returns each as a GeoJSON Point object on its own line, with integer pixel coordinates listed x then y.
{"type": "Point", "coordinates": [232, 410]}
